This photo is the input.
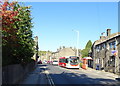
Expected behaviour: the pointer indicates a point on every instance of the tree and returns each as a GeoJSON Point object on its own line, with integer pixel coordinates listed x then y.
{"type": "Point", "coordinates": [60, 48]}
{"type": "Point", "coordinates": [63, 47]}
{"type": "Point", "coordinates": [88, 45]}
{"type": "Point", "coordinates": [17, 41]}
{"type": "Point", "coordinates": [42, 53]}
{"type": "Point", "coordinates": [85, 51]}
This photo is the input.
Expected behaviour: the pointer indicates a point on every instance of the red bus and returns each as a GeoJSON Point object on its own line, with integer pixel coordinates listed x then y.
{"type": "Point", "coordinates": [69, 62]}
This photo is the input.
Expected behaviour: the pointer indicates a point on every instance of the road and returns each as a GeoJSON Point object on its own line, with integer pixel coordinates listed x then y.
{"type": "Point", "coordinates": [61, 75]}
{"type": "Point", "coordinates": [55, 75]}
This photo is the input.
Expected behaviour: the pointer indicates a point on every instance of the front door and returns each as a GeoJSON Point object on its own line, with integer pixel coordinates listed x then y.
{"type": "Point", "coordinates": [112, 64]}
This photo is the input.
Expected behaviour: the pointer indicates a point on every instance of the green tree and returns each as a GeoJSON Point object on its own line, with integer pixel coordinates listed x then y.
{"type": "Point", "coordinates": [88, 45]}
{"type": "Point", "coordinates": [85, 51]}
{"type": "Point", "coordinates": [24, 32]}
{"type": "Point", "coordinates": [17, 41]}
{"type": "Point", "coordinates": [42, 53]}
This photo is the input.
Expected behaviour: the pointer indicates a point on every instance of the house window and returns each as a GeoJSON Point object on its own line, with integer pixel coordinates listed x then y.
{"type": "Point", "coordinates": [110, 45]}
{"type": "Point", "coordinates": [104, 45]}
{"type": "Point", "coordinates": [97, 48]}
{"type": "Point", "coordinates": [98, 60]}
{"type": "Point", "coordinates": [100, 47]}
{"type": "Point", "coordinates": [114, 45]}
{"type": "Point", "coordinates": [112, 61]}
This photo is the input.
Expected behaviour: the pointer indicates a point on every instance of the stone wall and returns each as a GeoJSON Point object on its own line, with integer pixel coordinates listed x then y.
{"type": "Point", "coordinates": [12, 74]}
{"type": "Point", "coordinates": [106, 62]}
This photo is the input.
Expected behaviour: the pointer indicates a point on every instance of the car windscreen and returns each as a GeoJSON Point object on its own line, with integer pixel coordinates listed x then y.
{"type": "Point", "coordinates": [55, 61]}
{"type": "Point", "coordinates": [74, 61]}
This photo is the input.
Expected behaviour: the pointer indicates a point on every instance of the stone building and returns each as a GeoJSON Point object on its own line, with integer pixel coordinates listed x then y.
{"type": "Point", "coordinates": [106, 52]}
{"type": "Point", "coordinates": [63, 52]}
{"type": "Point", "coordinates": [45, 56]}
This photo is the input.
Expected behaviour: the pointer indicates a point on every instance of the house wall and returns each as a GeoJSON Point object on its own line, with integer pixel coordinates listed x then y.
{"type": "Point", "coordinates": [103, 57]}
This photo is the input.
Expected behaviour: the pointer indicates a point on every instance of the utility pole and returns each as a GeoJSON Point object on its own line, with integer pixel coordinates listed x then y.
{"type": "Point", "coordinates": [77, 41]}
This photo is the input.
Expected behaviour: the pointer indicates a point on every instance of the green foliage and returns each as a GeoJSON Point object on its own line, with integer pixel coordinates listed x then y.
{"type": "Point", "coordinates": [24, 32]}
{"type": "Point", "coordinates": [81, 65]}
{"type": "Point", "coordinates": [85, 51]}
{"type": "Point", "coordinates": [18, 47]}
{"type": "Point", "coordinates": [88, 45]}
{"type": "Point", "coordinates": [42, 53]}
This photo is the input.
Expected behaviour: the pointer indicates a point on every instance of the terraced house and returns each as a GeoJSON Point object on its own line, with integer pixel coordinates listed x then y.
{"type": "Point", "coordinates": [106, 52]}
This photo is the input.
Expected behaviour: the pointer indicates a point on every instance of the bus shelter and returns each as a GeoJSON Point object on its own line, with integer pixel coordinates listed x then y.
{"type": "Point", "coordinates": [85, 62]}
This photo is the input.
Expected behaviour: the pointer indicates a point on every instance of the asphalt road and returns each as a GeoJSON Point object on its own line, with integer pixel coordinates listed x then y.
{"type": "Point", "coordinates": [65, 76]}
{"type": "Point", "coordinates": [50, 75]}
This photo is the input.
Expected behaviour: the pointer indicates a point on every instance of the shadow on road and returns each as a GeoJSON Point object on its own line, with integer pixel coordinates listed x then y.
{"type": "Point", "coordinates": [81, 79]}
{"type": "Point", "coordinates": [41, 65]}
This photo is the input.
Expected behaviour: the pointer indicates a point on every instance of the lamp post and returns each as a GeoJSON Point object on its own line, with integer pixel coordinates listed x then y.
{"type": "Point", "coordinates": [77, 40]}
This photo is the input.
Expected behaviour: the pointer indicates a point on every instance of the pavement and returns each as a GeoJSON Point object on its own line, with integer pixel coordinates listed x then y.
{"type": "Point", "coordinates": [102, 72]}
{"type": "Point", "coordinates": [36, 77]}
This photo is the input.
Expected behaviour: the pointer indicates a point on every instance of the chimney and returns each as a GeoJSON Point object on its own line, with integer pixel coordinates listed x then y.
{"type": "Point", "coordinates": [108, 32]}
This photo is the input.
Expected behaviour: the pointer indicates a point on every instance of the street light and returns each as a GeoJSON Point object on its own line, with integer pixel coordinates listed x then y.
{"type": "Point", "coordinates": [77, 40]}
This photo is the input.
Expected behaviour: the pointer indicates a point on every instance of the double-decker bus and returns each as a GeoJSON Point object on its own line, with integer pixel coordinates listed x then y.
{"type": "Point", "coordinates": [69, 62]}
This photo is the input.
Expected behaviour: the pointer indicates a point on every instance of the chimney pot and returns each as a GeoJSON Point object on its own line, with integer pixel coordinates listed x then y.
{"type": "Point", "coordinates": [108, 32]}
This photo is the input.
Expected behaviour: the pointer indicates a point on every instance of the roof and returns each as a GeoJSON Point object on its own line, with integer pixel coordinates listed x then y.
{"type": "Point", "coordinates": [107, 38]}
{"type": "Point", "coordinates": [87, 58]}
{"type": "Point", "coordinates": [61, 57]}
{"type": "Point", "coordinates": [66, 52]}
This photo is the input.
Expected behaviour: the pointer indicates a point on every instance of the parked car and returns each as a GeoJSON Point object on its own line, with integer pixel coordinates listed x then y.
{"type": "Point", "coordinates": [39, 62]}
{"type": "Point", "coordinates": [45, 62]}
{"type": "Point", "coordinates": [55, 62]}
{"type": "Point", "coordinates": [48, 62]}
{"type": "Point", "coordinates": [51, 62]}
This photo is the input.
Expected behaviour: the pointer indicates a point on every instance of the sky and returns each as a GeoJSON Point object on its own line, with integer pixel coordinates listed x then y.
{"type": "Point", "coordinates": [54, 22]}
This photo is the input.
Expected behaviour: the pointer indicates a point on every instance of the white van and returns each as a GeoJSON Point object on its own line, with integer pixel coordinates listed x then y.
{"type": "Point", "coordinates": [55, 62]}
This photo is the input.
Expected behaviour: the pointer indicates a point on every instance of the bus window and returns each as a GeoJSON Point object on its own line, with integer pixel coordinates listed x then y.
{"type": "Point", "coordinates": [66, 61]}
{"type": "Point", "coordinates": [74, 61]}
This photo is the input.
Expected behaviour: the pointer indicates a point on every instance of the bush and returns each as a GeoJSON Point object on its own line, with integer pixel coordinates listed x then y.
{"type": "Point", "coordinates": [81, 65]}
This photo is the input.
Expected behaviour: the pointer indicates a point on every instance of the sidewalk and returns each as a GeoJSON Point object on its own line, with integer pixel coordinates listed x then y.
{"type": "Point", "coordinates": [101, 72]}
{"type": "Point", "coordinates": [37, 77]}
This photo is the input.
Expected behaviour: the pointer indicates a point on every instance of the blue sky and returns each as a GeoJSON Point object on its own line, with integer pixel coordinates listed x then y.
{"type": "Point", "coordinates": [54, 21]}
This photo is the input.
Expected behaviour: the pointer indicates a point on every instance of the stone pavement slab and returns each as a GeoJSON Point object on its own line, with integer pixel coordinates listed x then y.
{"type": "Point", "coordinates": [102, 73]}
{"type": "Point", "coordinates": [37, 77]}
